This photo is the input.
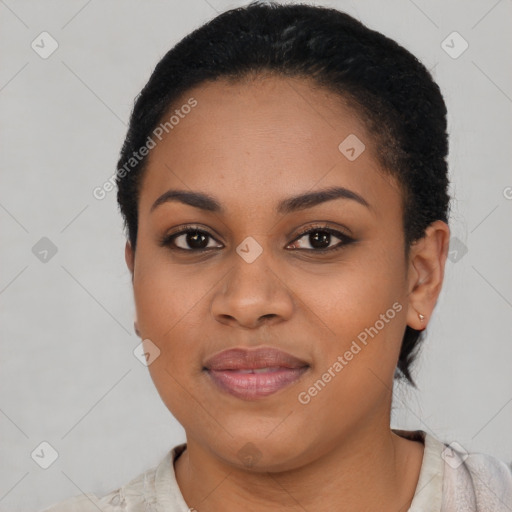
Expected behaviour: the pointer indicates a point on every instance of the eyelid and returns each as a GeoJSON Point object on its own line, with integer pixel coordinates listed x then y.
{"type": "Point", "coordinates": [324, 227]}
{"type": "Point", "coordinates": [191, 227]}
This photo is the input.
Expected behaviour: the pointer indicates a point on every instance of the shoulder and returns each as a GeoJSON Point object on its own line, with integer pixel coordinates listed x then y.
{"type": "Point", "coordinates": [156, 487]}
{"type": "Point", "coordinates": [136, 495]}
{"type": "Point", "coordinates": [88, 503]}
{"type": "Point", "coordinates": [453, 480]}
{"type": "Point", "coordinates": [476, 481]}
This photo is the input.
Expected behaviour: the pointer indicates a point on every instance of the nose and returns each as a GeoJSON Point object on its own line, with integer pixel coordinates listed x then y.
{"type": "Point", "coordinates": [252, 294]}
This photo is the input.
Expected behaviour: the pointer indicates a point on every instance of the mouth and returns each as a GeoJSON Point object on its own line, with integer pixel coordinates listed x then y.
{"type": "Point", "coordinates": [254, 374]}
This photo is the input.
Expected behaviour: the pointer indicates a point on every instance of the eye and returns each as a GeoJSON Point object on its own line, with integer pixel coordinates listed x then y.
{"type": "Point", "coordinates": [320, 238]}
{"type": "Point", "coordinates": [190, 239]}
{"type": "Point", "coordinates": [193, 239]}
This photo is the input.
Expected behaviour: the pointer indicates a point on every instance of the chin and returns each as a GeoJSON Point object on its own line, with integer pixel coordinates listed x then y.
{"type": "Point", "coordinates": [255, 450]}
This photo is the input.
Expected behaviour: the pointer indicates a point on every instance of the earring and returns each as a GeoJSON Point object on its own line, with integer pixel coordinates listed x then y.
{"type": "Point", "coordinates": [421, 317]}
{"type": "Point", "coordinates": [135, 329]}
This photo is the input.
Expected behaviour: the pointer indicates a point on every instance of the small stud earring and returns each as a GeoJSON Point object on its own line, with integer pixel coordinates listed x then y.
{"type": "Point", "coordinates": [421, 317]}
{"type": "Point", "coordinates": [136, 329]}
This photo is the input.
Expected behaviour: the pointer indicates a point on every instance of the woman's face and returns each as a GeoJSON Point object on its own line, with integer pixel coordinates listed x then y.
{"type": "Point", "coordinates": [251, 147]}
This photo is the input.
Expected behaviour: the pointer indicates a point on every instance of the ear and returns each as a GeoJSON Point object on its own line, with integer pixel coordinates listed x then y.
{"type": "Point", "coordinates": [129, 257]}
{"type": "Point", "coordinates": [427, 258]}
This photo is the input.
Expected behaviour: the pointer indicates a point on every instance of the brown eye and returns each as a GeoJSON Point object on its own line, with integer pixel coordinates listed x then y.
{"type": "Point", "coordinates": [319, 239]}
{"type": "Point", "coordinates": [192, 240]}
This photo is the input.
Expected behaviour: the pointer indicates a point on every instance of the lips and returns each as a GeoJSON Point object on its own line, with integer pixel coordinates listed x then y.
{"type": "Point", "coordinates": [245, 359]}
{"type": "Point", "coordinates": [253, 374]}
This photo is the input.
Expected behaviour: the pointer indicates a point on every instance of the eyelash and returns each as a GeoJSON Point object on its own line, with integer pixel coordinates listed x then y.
{"type": "Point", "coordinates": [168, 240]}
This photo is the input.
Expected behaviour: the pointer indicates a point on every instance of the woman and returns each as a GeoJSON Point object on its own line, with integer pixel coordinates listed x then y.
{"type": "Point", "coordinates": [284, 188]}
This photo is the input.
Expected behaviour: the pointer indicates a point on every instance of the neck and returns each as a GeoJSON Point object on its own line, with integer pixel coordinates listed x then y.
{"type": "Point", "coordinates": [369, 470]}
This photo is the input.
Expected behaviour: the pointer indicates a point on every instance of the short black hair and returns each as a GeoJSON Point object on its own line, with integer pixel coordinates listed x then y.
{"type": "Point", "coordinates": [393, 93]}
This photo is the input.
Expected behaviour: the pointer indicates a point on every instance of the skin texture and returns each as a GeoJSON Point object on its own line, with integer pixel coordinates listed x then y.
{"type": "Point", "coordinates": [251, 144]}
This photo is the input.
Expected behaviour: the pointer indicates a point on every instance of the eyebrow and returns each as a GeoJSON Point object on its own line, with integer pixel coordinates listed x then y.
{"type": "Point", "coordinates": [300, 202]}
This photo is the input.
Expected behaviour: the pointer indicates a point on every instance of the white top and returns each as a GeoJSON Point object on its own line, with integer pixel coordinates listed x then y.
{"type": "Point", "coordinates": [449, 481]}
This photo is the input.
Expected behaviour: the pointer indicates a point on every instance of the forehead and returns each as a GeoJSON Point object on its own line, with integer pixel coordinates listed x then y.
{"type": "Point", "coordinates": [261, 140]}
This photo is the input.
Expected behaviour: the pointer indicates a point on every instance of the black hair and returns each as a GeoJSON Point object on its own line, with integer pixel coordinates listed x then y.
{"type": "Point", "coordinates": [393, 93]}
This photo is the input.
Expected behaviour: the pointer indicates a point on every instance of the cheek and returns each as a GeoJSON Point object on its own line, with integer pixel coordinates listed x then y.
{"type": "Point", "coordinates": [355, 293]}
{"type": "Point", "coordinates": [355, 366]}
{"type": "Point", "coordinates": [361, 309]}
{"type": "Point", "coordinates": [172, 311]}
{"type": "Point", "coordinates": [169, 313]}
{"type": "Point", "coordinates": [166, 294]}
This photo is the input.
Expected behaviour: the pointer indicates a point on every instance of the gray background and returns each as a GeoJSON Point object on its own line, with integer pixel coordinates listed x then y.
{"type": "Point", "coordinates": [69, 376]}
